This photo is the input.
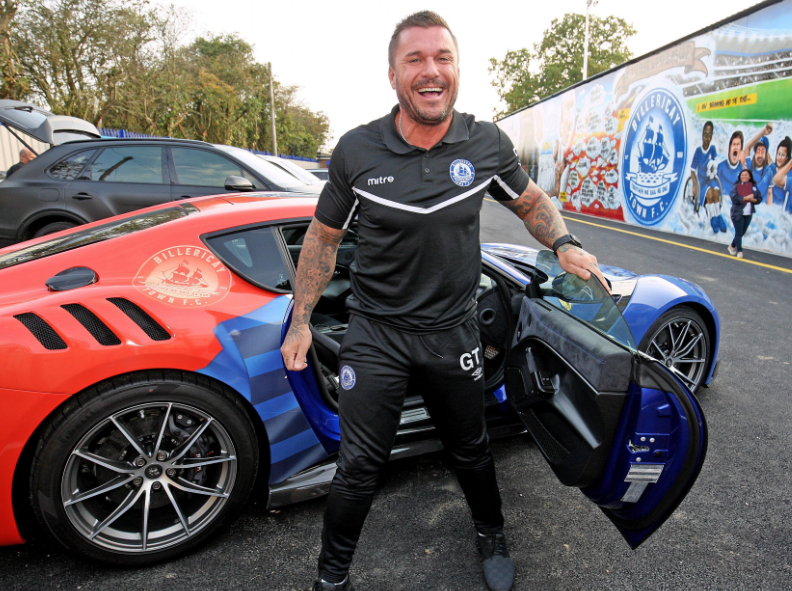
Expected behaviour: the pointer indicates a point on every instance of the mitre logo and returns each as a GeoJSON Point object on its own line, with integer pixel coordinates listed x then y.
{"type": "Point", "coordinates": [380, 180]}
{"type": "Point", "coordinates": [184, 276]}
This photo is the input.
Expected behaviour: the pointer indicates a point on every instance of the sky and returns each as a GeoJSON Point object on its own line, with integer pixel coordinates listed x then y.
{"type": "Point", "coordinates": [336, 50]}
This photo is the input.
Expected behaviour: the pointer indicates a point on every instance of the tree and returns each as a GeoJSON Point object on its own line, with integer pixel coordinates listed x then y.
{"type": "Point", "coordinates": [12, 86]}
{"type": "Point", "coordinates": [524, 77]}
{"type": "Point", "coordinates": [120, 63]}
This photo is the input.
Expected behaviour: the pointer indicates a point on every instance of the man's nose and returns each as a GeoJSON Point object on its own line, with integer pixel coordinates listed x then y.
{"type": "Point", "coordinates": [430, 68]}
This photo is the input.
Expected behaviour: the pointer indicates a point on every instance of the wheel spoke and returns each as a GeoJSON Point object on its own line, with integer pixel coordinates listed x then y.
{"type": "Point", "coordinates": [114, 465]}
{"type": "Point", "coordinates": [683, 335]}
{"type": "Point", "coordinates": [195, 462]}
{"type": "Point", "coordinates": [146, 509]}
{"type": "Point", "coordinates": [176, 507]}
{"type": "Point", "coordinates": [688, 382]}
{"type": "Point", "coordinates": [659, 350]}
{"type": "Point", "coordinates": [191, 487]}
{"type": "Point", "coordinates": [185, 446]}
{"type": "Point", "coordinates": [128, 436]}
{"type": "Point", "coordinates": [125, 506]}
{"type": "Point", "coordinates": [693, 342]}
{"type": "Point", "coordinates": [162, 429]}
{"type": "Point", "coordinates": [117, 482]}
{"type": "Point", "coordinates": [691, 360]}
{"type": "Point", "coordinates": [671, 333]}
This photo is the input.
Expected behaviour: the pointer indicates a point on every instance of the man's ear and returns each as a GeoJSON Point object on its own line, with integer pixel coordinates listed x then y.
{"type": "Point", "coordinates": [392, 78]}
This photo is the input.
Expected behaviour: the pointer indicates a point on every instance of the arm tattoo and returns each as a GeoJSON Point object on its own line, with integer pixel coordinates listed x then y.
{"type": "Point", "coordinates": [315, 269]}
{"type": "Point", "coordinates": [539, 215]}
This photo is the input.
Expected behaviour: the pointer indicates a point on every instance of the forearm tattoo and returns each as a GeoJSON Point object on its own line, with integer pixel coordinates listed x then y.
{"type": "Point", "coordinates": [539, 215]}
{"type": "Point", "coordinates": [315, 269]}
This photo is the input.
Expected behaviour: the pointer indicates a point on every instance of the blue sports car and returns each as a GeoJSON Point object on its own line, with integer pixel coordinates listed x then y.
{"type": "Point", "coordinates": [165, 399]}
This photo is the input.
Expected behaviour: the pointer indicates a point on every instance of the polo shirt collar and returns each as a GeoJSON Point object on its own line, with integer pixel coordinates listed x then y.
{"type": "Point", "coordinates": [458, 132]}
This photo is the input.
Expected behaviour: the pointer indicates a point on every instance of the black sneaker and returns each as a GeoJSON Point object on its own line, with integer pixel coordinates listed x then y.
{"type": "Point", "coordinates": [498, 567]}
{"type": "Point", "coordinates": [322, 585]}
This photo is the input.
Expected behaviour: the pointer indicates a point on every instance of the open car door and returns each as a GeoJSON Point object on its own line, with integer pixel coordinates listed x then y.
{"type": "Point", "coordinates": [608, 419]}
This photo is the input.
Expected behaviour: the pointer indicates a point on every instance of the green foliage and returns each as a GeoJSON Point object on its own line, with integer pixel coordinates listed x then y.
{"type": "Point", "coordinates": [524, 77]}
{"type": "Point", "coordinates": [119, 63]}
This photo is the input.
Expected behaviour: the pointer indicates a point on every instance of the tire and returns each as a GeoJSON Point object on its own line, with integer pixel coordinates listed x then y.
{"type": "Point", "coordinates": [691, 193]}
{"type": "Point", "coordinates": [184, 468]}
{"type": "Point", "coordinates": [52, 228]}
{"type": "Point", "coordinates": [691, 341]}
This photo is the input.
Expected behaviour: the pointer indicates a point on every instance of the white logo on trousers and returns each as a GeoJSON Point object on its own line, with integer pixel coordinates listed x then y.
{"type": "Point", "coordinates": [466, 360]}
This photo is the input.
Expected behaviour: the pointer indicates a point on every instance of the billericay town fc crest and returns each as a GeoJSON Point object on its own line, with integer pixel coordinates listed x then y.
{"type": "Point", "coordinates": [184, 276]}
{"type": "Point", "coordinates": [655, 153]}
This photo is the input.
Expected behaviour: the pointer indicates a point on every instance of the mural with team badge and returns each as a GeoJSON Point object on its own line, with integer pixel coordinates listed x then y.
{"type": "Point", "coordinates": [661, 141]}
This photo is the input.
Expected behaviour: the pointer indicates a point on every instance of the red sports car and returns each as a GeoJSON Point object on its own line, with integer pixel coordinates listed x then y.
{"type": "Point", "coordinates": [144, 396]}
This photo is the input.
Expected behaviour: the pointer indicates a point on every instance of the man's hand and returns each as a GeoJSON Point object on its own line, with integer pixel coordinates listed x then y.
{"type": "Point", "coordinates": [314, 271]}
{"type": "Point", "coordinates": [295, 347]}
{"type": "Point", "coordinates": [544, 222]}
{"type": "Point", "coordinates": [578, 262]}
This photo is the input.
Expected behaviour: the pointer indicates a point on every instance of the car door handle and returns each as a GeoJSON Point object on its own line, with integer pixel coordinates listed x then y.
{"type": "Point", "coordinates": [82, 196]}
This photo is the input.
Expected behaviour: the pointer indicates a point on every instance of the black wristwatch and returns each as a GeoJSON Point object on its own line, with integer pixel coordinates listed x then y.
{"type": "Point", "coordinates": [566, 239]}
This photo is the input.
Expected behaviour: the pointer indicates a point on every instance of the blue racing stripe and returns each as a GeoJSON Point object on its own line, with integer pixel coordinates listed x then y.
{"type": "Point", "coordinates": [293, 445]}
{"type": "Point", "coordinates": [280, 471]}
{"type": "Point", "coordinates": [264, 363]}
{"type": "Point", "coordinates": [276, 406]}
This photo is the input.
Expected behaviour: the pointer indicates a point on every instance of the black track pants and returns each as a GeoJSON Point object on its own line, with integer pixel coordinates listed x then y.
{"type": "Point", "coordinates": [378, 366]}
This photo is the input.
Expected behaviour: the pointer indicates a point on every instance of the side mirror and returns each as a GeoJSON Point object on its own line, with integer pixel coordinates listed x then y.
{"type": "Point", "coordinates": [238, 183]}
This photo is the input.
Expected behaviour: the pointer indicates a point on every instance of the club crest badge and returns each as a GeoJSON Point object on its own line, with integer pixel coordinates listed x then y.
{"type": "Point", "coordinates": [462, 172]}
{"type": "Point", "coordinates": [184, 276]}
{"type": "Point", "coordinates": [347, 378]}
{"type": "Point", "coordinates": [655, 153]}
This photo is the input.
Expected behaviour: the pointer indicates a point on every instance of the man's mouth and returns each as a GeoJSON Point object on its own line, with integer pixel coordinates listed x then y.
{"type": "Point", "coordinates": [431, 91]}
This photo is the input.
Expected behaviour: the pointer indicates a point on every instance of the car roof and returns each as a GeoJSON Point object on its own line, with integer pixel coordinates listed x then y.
{"type": "Point", "coordinates": [106, 139]}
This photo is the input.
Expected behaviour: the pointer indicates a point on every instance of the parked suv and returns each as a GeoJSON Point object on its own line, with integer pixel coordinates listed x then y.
{"type": "Point", "coordinates": [86, 180]}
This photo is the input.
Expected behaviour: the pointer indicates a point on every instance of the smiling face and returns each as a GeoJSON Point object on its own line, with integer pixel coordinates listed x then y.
{"type": "Point", "coordinates": [760, 155]}
{"type": "Point", "coordinates": [706, 137]}
{"type": "Point", "coordinates": [425, 74]}
{"type": "Point", "coordinates": [781, 156]}
{"type": "Point", "coordinates": [745, 176]}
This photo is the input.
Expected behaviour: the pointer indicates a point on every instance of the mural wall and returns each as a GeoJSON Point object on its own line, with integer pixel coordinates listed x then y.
{"type": "Point", "coordinates": [660, 143]}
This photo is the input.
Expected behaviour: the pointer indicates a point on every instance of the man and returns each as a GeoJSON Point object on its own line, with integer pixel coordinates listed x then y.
{"type": "Point", "coordinates": [729, 171]}
{"type": "Point", "coordinates": [25, 156]}
{"type": "Point", "coordinates": [782, 177]}
{"type": "Point", "coordinates": [758, 164]}
{"type": "Point", "coordinates": [709, 193]}
{"type": "Point", "coordinates": [778, 188]}
{"type": "Point", "coordinates": [416, 179]}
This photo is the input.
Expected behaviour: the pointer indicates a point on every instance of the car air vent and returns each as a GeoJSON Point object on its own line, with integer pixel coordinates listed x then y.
{"type": "Point", "coordinates": [140, 317]}
{"type": "Point", "coordinates": [45, 334]}
{"type": "Point", "coordinates": [98, 329]}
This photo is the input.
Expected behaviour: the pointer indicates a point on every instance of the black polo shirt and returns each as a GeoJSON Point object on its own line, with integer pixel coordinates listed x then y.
{"type": "Point", "coordinates": [418, 261]}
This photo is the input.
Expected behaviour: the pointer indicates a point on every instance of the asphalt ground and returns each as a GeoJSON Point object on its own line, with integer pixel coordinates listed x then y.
{"type": "Point", "coordinates": [733, 531]}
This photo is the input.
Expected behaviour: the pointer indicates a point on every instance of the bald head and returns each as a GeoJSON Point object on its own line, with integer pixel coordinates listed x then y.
{"type": "Point", "coordinates": [26, 155]}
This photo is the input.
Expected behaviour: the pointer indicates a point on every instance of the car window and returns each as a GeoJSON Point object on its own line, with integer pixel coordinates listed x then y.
{"type": "Point", "coordinates": [108, 231]}
{"type": "Point", "coordinates": [253, 255]}
{"type": "Point", "coordinates": [588, 301]}
{"type": "Point", "coordinates": [137, 164]}
{"type": "Point", "coordinates": [274, 174]}
{"type": "Point", "coordinates": [202, 168]}
{"type": "Point", "coordinates": [296, 170]}
{"type": "Point", "coordinates": [71, 166]}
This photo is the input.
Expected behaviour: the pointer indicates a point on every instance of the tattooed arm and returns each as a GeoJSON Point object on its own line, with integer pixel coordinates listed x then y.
{"type": "Point", "coordinates": [545, 223]}
{"type": "Point", "coordinates": [314, 271]}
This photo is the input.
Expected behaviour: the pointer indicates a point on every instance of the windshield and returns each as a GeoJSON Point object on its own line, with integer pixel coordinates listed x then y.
{"type": "Point", "coordinates": [93, 235]}
{"type": "Point", "coordinates": [294, 169]}
{"type": "Point", "coordinates": [588, 301]}
{"type": "Point", "coordinates": [269, 171]}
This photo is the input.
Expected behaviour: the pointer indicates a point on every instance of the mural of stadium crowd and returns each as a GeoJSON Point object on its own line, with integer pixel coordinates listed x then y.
{"type": "Point", "coordinates": [661, 141]}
